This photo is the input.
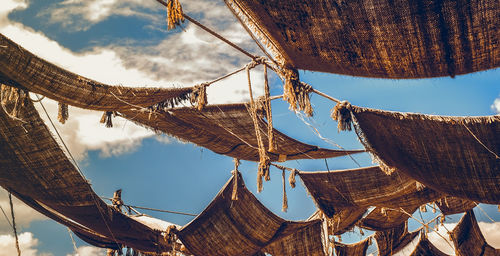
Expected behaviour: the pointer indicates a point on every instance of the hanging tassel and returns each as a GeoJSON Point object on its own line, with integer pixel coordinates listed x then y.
{"type": "Point", "coordinates": [284, 208]}
{"type": "Point", "coordinates": [62, 114]}
{"type": "Point", "coordinates": [295, 92]}
{"type": "Point", "coordinates": [269, 114]}
{"type": "Point", "coordinates": [107, 119]}
{"type": "Point", "coordinates": [174, 14]}
{"type": "Point", "coordinates": [383, 211]}
{"type": "Point", "coordinates": [234, 195]}
{"type": "Point", "coordinates": [423, 208]}
{"type": "Point", "coordinates": [419, 186]}
{"type": "Point", "coordinates": [199, 96]}
{"type": "Point", "coordinates": [291, 178]}
{"type": "Point", "coordinates": [342, 114]}
{"type": "Point", "coordinates": [434, 208]}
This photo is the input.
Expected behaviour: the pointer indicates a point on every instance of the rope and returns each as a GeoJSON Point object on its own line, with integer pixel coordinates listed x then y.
{"type": "Point", "coordinates": [480, 142]}
{"type": "Point", "coordinates": [79, 171]}
{"type": "Point", "coordinates": [6, 218]}
{"type": "Point", "coordinates": [493, 221]}
{"type": "Point", "coordinates": [151, 209]}
{"type": "Point", "coordinates": [72, 240]}
{"type": "Point", "coordinates": [267, 104]}
{"type": "Point", "coordinates": [14, 224]}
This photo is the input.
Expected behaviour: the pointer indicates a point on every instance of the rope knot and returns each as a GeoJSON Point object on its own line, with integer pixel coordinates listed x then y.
{"type": "Point", "coordinates": [199, 95]}
{"type": "Point", "coordinates": [291, 178]}
{"type": "Point", "coordinates": [255, 62]}
{"type": "Point", "coordinates": [295, 92]}
{"type": "Point", "coordinates": [342, 114]}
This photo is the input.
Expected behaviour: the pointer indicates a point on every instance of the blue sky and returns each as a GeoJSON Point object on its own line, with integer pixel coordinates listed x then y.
{"type": "Point", "coordinates": [126, 42]}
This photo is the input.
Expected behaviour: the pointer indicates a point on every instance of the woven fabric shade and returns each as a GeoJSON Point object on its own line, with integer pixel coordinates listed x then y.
{"type": "Point", "coordinates": [389, 241]}
{"type": "Point", "coordinates": [364, 187]}
{"type": "Point", "coordinates": [34, 168]}
{"type": "Point", "coordinates": [469, 240]}
{"type": "Point", "coordinates": [344, 220]}
{"type": "Point", "coordinates": [380, 219]}
{"type": "Point", "coordinates": [454, 155]}
{"type": "Point", "coordinates": [357, 249]}
{"type": "Point", "coordinates": [426, 248]}
{"type": "Point", "coordinates": [229, 130]}
{"type": "Point", "coordinates": [22, 69]}
{"type": "Point", "coordinates": [452, 205]}
{"type": "Point", "coordinates": [245, 227]}
{"type": "Point", "coordinates": [382, 38]}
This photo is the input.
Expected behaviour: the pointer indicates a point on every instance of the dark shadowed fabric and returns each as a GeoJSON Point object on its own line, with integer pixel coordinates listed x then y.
{"type": "Point", "coordinates": [439, 152]}
{"type": "Point", "coordinates": [357, 249]}
{"type": "Point", "coordinates": [364, 187]}
{"type": "Point", "coordinates": [380, 219]}
{"type": "Point", "coordinates": [468, 239]}
{"type": "Point", "coordinates": [344, 220]}
{"type": "Point", "coordinates": [452, 205]}
{"type": "Point", "coordinates": [390, 240]}
{"type": "Point", "coordinates": [33, 165]}
{"type": "Point", "coordinates": [245, 226]}
{"type": "Point", "coordinates": [20, 68]}
{"type": "Point", "coordinates": [381, 38]}
{"type": "Point", "coordinates": [426, 248]}
{"type": "Point", "coordinates": [227, 129]}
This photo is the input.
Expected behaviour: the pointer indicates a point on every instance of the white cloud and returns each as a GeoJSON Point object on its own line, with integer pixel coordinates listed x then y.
{"type": "Point", "coordinates": [27, 245]}
{"type": "Point", "coordinates": [88, 251]}
{"type": "Point", "coordinates": [24, 214]}
{"type": "Point", "coordinates": [183, 59]}
{"type": "Point", "coordinates": [496, 105]}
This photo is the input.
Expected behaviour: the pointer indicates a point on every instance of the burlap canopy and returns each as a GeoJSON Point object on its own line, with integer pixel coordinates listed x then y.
{"type": "Point", "coordinates": [245, 227]}
{"type": "Point", "coordinates": [454, 155]}
{"type": "Point", "coordinates": [381, 38]}
{"type": "Point", "coordinates": [452, 205]}
{"type": "Point", "coordinates": [357, 249]}
{"type": "Point", "coordinates": [380, 218]}
{"type": "Point", "coordinates": [426, 248]}
{"type": "Point", "coordinates": [229, 130]}
{"type": "Point", "coordinates": [389, 241]}
{"type": "Point", "coordinates": [35, 169]}
{"type": "Point", "coordinates": [364, 187]}
{"type": "Point", "coordinates": [468, 239]}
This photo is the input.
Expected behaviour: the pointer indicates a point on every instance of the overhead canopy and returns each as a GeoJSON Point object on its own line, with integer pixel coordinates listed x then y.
{"type": "Point", "coordinates": [357, 249]}
{"type": "Point", "coordinates": [469, 240]}
{"type": "Point", "coordinates": [454, 155]}
{"type": "Point", "coordinates": [229, 130]}
{"type": "Point", "coordinates": [34, 168]}
{"type": "Point", "coordinates": [245, 227]}
{"type": "Point", "coordinates": [426, 248]}
{"type": "Point", "coordinates": [452, 205]}
{"type": "Point", "coordinates": [380, 219]}
{"type": "Point", "coordinates": [381, 38]}
{"type": "Point", "coordinates": [364, 187]}
{"type": "Point", "coordinates": [20, 68]}
{"type": "Point", "coordinates": [389, 241]}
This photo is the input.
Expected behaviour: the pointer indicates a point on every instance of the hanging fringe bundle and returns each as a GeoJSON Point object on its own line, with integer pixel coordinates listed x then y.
{"type": "Point", "coordinates": [296, 93]}
{"type": "Point", "coordinates": [291, 178]}
{"type": "Point", "coordinates": [174, 14]}
{"type": "Point", "coordinates": [16, 96]}
{"type": "Point", "coordinates": [419, 186]}
{"type": "Point", "coordinates": [107, 119]}
{"type": "Point", "coordinates": [342, 114]}
{"type": "Point", "coordinates": [284, 207]}
{"type": "Point", "coordinates": [234, 195]}
{"type": "Point", "coordinates": [62, 114]}
{"type": "Point", "coordinates": [199, 96]}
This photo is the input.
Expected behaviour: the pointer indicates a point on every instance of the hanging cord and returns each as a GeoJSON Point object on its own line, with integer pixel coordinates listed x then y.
{"type": "Point", "coordinates": [6, 218]}
{"type": "Point", "coordinates": [14, 224]}
{"type": "Point", "coordinates": [72, 240]}
{"type": "Point", "coordinates": [269, 113]}
{"type": "Point", "coordinates": [234, 195]}
{"type": "Point", "coordinates": [79, 171]}
{"type": "Point", "coordinates": [284, 207]}
{"type": "Point", "coordinates": [150, 209]}
{"type": "Point", "coordinates": [480, 142]}
{"type": "Point", "coordinates": [264, 161]}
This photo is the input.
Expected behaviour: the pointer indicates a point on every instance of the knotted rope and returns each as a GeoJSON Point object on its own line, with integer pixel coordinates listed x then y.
{"type": "Point", "coordinates": [14, 224]}
{"type": "Point", "coordinates": [199, 95]}
{"type": "Point", "coordinates": [295, 92]}
{"type": "Point", "coordinates": [174, 14]}
{"type": "Point", "coordinates": [62, 115]}
{"type": "Point", "coordinates": [342, 114]}
{"type": "Point", "coordinates": [269, 114]}
{"type": "Point", "coordinates": [234, 195]}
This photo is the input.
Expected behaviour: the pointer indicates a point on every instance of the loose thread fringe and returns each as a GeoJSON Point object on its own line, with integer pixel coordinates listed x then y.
{"type": "Point", "coordinates": [296, 93]}
{"type": "Point", "coordinates": [107, 119]}
{"type": "Point", "coordinates": [62, 114]}
{"type": "Point", "coordinates": [199, 96]}
{"type": "Point", "coordinates": [171, 237]}
{"type": "Point", "coordinates": [284, 207]}
{"type": "Point", "coordinates": [14, 95]}
{"type": "Point", "coordinates": [342, 114]}
{"type": "Point", "coordinates": [291, 178]}
{"type": "Point", "coordinates": [419, 186]}
{"type": "Point", "coordinates": [234, 195]}
{"type": "Point", "coordinates": [170, 103]}
{"type": "Point", "coordinates": [174, 14]}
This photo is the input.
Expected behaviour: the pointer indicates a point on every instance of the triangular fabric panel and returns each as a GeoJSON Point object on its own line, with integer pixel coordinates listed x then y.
{"type": "Point", "coordinates": [455, 155]}
{"type": "Point", "coordinates": [390, 240]}
{"type": "Point", "coordinates": [22, 69]}
{"type": "Point", "coordinates": [229, 130]}
{"type": "Point", "coordinates": [380, 219]}
{"type": "Point", "coordinates": [245, 227]}
{"type": "Point", "coordinates": [469, 240]}
{"type": "Point", "coordinates": [344, 220]}
{"type": "Point", "coordinates": [33, 166]}
{"type": "Point", "coordinates": [364, 187]}
{"type": "Point", "coordinates": [426, 248]}
{"type": "Point", "coordinates": [452, 205]}
{"type": "Point", "coordinates": [383, 38]}
{"type": "Point", "coordinates": [357, 249]}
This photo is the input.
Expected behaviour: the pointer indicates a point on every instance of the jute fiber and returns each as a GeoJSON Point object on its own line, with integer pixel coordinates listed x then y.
{"type": "Point", "coordinates": [357, 249]}
{"type": "Point", "coordinates": [245, 227]}
{"type": "Point", "coordinates": [20, 68]}
{"type": "Point", "coordinates": [364, 187]}
{"type": "Point", "coordinates": [426, 248]}
{"type": "Point", "coordinates": [469, 240]}
{"type": "Point", "coordinates": [380, 218]}
{"type": "Point", "coordinates": [381, 38]}
{"type": "Point", "coordinates": [34, 166]}
{"type": "Point", "coordinates": [458, 156]}
{"type": "Point", "coordinates": [389, 241]}
{"type": "Point", "coordinates": [452, 205]}
{"type": "Point", "coordinates": [229, 130]}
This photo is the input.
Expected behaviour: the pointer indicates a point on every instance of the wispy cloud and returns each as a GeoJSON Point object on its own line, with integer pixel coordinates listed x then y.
{"type": "Point", "coordinates": [496, 105]}
{"type": "Point", "coordinates": [88, 251]}
{"type": "Point", "coordinates": [27, 244]}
